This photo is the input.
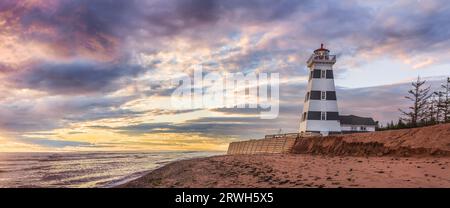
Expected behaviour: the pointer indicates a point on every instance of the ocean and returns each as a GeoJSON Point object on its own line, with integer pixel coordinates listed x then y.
{"type": "Point", "coordinates": [82, 170]}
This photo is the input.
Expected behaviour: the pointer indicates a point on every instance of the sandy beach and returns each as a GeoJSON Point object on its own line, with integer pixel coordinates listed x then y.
{"type": "Point", "coordinates": [300, 171]}
{"type": "Point", "coordinates": [406, 158]}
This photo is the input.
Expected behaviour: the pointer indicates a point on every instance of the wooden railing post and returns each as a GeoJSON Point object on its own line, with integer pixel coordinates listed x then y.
{"type": "Point", "coordinates": [284, 144]}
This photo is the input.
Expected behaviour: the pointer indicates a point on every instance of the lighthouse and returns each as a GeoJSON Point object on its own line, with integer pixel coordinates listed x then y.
{"type": "Point", "coordinates": [320, 109]}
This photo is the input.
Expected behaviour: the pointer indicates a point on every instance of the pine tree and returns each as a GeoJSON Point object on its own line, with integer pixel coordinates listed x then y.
{"type": "Point", "coordinates": [432, 109]}
{"type": "Point", "coordinates": [438, 104]}
{"type": "Point", "coordinates": [400, 124]}
{"type": "Point", "coordinates": [419, 95]}
{"type": "Point", "coordinates": [445, 106]}
{"type": "Point", "coordinates": [391, 125]}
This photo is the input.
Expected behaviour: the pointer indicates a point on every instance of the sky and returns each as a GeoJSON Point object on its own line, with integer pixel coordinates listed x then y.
{"type": "Point", "coordinates": [94, 75]}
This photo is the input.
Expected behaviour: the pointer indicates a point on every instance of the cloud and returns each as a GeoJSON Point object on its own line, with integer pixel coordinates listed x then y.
{"type": "Point", "coordinates": [75, 77]}
{"type": "Point", "coordinates": [48, 113]}
{"type": "Point", "coordinates": [100, 27]}
{"type": "Point", "coordinates": [66, 64]}
{"type": "Point", "coordinates": [44, 142]}
{"type": "Point", "coordinates": [380, 102]}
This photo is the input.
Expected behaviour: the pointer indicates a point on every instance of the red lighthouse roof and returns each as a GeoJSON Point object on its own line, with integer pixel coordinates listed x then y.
{"type": "Point", "coordinates": [321, 49]}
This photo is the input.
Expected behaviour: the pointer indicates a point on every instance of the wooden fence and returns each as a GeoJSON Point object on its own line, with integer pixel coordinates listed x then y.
{"type": "Point", "coordinates": [278, 143]}
{"type": "Point", "coordinates": [273, 145]}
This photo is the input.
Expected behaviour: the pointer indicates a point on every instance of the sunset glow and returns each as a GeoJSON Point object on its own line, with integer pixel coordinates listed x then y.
{"type": "Point", "coordinates": [82, 75]}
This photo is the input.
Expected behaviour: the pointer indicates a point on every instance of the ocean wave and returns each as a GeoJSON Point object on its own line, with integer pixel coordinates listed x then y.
{"type": "Point", "coordinates": [105, 169]}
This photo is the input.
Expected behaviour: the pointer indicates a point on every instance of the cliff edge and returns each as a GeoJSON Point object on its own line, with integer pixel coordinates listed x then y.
{"type": "Point", "coordinates": [424, 141]}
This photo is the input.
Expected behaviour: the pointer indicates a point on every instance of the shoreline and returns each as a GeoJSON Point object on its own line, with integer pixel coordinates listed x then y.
{"type": "Point", "coordinates": [298, 171]}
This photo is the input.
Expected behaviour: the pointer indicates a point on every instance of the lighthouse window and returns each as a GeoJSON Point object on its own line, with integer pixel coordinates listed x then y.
{"type": "Point", "coordinates": [333, 116]}
{"type": "Point", "coordinates": [313, 115]}
{"type": "Point", "coordinates": [323, 115]}
{"type": "Point", "coordinates": [330, 74]}
{"type": "Point", "coordinates": [331, 95]}
{"type": "Point", "coordinates": [315, 95]}
{"type": "Point", "coordinates": [316, 73]}
{"type": "Point", "coordinates": [323, 74]}
{"type": "Point", "coordinates": [323, 95]}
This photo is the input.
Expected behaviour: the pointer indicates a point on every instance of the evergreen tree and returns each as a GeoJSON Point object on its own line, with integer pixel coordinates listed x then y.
{"type": "Point", "coordinates": [419, 95]}
{"type": "Point", "coordinates": [432, 110]}
{"type": "Point", "coordinates": [400, 124]}
{"type": "Point", "coordinates": [438, 104]}
{"type": "Point", "coordinates": [445, 105]}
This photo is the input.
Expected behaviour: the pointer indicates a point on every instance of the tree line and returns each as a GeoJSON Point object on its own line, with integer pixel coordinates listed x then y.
{"type": "Point", "coordinates": [427, 107]}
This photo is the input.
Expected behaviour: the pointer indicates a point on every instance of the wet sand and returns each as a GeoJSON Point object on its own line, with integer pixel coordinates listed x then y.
{"type": "Point", "coordinates": [300, 170]}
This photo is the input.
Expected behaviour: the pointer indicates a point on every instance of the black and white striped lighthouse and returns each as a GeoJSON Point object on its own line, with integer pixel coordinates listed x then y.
{"type": "Point", "coordinates": [320, 109]}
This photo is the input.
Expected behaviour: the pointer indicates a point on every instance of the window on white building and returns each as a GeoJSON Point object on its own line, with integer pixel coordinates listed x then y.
{"type": "Point", "coordinates": [363, 128]}
{"type": "Point", "coordinates": [323, 95]}
{"type": "Point", "coordinates": [354, 128]}
{"type": "Point", "coordinates": [323, 73]}
{"type": "Point", "coordinates": [323, 115]}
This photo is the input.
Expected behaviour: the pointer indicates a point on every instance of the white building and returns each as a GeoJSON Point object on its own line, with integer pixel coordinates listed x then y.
{"type": "Point", "coordinates": [320, 109]}
{"type": "Point", "coordinates": [351, 124]}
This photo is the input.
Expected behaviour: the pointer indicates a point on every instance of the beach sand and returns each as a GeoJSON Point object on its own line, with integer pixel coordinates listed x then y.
{"type": "Point", "coordinates": [300, 170]}
{"type": "Point", "coordinates": [418, 157]}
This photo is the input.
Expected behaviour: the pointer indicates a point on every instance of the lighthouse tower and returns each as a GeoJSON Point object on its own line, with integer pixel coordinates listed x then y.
{"type": "Point", "coordinates": [320, 109]}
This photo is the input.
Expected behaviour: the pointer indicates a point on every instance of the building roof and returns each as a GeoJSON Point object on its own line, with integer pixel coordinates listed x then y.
{"type": "Point", "coordinates": [321, 49]}
{"type": "Point", "coordinates": [356, 120]}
